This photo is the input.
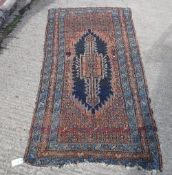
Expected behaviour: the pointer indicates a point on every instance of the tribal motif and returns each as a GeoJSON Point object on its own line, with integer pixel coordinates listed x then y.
{"type": "Point", "coordinates": [93, 102]}
{"type": "Point", "coordinates": [92, 72]}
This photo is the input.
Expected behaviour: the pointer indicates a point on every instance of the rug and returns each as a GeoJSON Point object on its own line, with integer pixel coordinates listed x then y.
{"type": "Point", "coordinates": [93, 102]}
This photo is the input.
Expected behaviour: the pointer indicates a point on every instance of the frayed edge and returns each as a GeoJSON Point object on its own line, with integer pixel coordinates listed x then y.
{"type": "Point", "coordinates": [139, 165]}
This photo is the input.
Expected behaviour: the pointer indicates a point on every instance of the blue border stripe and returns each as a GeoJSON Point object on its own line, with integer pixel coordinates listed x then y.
{"type": "Point", "coordinates": [59, 84]}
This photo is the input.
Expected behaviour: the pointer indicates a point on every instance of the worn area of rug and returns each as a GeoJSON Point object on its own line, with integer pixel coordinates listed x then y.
{"type": "Point", "coordinates": [92, 103]}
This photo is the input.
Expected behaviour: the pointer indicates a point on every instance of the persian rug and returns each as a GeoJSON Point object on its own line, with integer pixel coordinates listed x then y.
{"type": "Point", "coordinates": [93, 102]}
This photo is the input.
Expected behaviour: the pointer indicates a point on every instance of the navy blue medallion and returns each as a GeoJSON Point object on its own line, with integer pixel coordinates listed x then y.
{"type": "Point", "coordinates": [92, 72]}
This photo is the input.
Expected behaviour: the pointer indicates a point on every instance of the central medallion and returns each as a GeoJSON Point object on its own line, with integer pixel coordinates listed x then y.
{"type": "Point", "coordinates": [91, 69]}
{"type": "Point", "coordinates": [91, 72]}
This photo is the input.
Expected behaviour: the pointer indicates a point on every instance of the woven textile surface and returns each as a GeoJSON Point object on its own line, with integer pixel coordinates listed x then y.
{"type": "Point", "coordinates": [92, 103]}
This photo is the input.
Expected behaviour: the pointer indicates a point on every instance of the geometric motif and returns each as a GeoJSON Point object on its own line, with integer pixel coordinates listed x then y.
{"type": "Point", "coordinates": [92, 72]}
{"type": "Point", "coordinates": [93, 99]}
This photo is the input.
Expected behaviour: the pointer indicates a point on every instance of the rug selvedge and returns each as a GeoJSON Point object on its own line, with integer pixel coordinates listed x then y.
{"type": "Point", "coordinates": [75, 118]}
